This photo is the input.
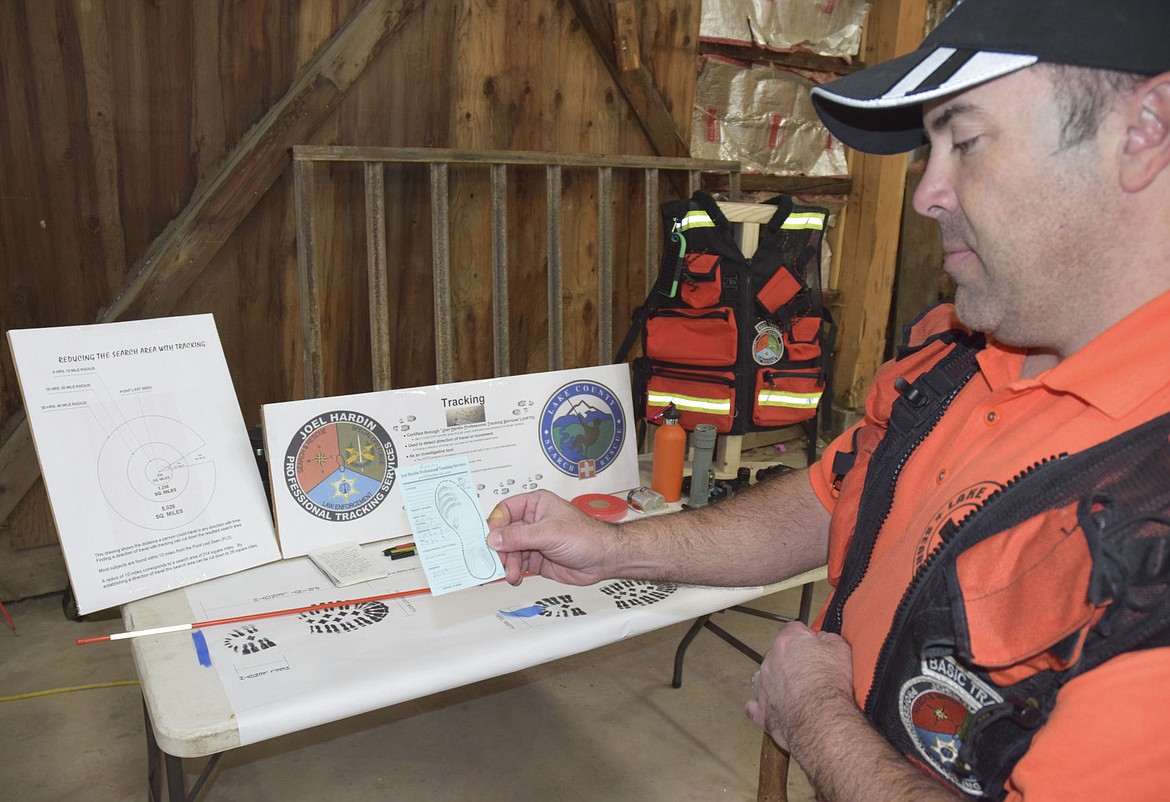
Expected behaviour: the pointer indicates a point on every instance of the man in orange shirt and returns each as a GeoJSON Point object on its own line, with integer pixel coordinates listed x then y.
{"type": "Point", "coordinates": [981, 522]}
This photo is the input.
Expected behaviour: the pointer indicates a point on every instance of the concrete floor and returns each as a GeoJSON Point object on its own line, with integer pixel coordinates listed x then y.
{"type": "Point", "coordinates": [604, 725]}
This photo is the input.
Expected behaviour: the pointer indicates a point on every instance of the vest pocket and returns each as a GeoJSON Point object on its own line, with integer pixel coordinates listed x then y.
{"type": "Point", "coordinates": [699, 396]}
{"type": "Point", "coordinates": [785, 397]}
{"type": "Point", "coordinates": [702, 285]}
{"type": "Point", "coordinates": [778, 290]}
{"type": "Point", "coordinates": [803, 340]}
{"type": "Point", "coordinates": [692, 336]}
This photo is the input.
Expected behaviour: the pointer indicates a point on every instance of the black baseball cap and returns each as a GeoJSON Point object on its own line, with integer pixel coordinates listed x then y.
{"type": "Point", "coordinates": [879, 109]}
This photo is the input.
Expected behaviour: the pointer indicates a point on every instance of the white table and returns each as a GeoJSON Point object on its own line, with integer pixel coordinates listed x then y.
{"type": "Point", "coordinates": [191, 713]}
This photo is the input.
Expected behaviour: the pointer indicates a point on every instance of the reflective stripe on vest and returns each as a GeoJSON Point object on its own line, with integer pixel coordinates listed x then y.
{"type": "Point", "coordinates": [690, 403]}
{"type": "Point", "coordinates": [804, 220]}
{"type": "Point", "coordinates": [696, 219]}
{"type": "Point", "coordinates": [776, 398]}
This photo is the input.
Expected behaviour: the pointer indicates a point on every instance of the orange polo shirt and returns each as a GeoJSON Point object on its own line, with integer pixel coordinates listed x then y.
{"type": "Point", "coordinates": [1106, 737]}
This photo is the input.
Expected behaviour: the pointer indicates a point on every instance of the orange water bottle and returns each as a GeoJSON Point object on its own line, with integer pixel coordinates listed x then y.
{"type": "Point", "coordinates": [670, 450]}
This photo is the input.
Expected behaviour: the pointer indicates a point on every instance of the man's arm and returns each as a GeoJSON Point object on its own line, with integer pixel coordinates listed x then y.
{"type": "Point", "coordinates": [1106, 737]}
{"type": "Point", "coordinates": [765, 533]}
{"type": "Point", "coordinates": [804, 700]}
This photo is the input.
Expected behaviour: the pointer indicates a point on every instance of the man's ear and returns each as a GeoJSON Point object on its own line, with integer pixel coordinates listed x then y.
{"type": "Point", "coordinates": [1147, 140]}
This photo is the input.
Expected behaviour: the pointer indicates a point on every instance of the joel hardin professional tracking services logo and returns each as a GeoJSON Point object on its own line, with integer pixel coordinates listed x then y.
{"type": "Point", "coordinates": [340, 466]}
{"type": "Point", "coordinates": [582, 429]}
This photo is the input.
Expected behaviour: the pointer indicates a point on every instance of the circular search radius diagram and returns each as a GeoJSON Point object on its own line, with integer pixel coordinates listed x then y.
{"type": "Point", "coordinates": [155, 472]}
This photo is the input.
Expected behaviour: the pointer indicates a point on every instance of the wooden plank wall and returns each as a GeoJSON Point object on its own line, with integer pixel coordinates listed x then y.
{"type": "Point", "coordinates": [869, 242]}
{"type": "Point", "coordinates": [113, 114]}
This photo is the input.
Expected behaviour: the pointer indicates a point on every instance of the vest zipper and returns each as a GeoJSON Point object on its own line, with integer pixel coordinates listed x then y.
{"type": "Point", "coordinates": [672, 370]}
{"type": "Point", "coordinates": [838, 610]}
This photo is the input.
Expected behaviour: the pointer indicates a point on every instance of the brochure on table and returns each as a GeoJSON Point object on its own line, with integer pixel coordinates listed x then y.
{"type": "Point", "coordinates": [151, 477]}
{"type": "Point", "coordinates": [333, 461]}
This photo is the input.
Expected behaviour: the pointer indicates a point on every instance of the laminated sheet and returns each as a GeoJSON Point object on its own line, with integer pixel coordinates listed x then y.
{"type": "Point", "coordinates": [827, 27]}
{"type": "Point", "coordinates": [762, 116]}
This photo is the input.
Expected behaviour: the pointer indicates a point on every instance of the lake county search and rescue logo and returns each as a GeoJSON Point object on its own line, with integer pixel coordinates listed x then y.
{"type": "Point", "coordinates": [340, 466]}
{"type": "Point", "coordinates": [582, 428]}
{"type": "Point", "coordinates": [936, 707]}
{"type": "Point", "coordinates": [965, 502]}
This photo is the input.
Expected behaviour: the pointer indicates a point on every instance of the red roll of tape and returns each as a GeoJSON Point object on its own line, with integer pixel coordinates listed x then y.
{"type": "Point", "coordinates": [602, 507]}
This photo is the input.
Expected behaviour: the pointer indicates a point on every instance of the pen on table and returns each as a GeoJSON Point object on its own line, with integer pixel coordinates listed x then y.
{"type": "Point", "coordinates": [400, 551]}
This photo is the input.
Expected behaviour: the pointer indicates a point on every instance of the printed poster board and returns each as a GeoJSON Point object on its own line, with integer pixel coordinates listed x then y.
{"type": "Point", "coordinates": [151, 477]}
{"type": "Point", "coordinates": [333, 460]}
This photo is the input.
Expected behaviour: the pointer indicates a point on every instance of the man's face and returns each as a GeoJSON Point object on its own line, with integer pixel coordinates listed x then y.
{"type": "Point", "coordinates": [1017, 213]}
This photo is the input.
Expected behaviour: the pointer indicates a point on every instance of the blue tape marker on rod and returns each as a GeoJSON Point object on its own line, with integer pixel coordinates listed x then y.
{"type": "Point", "coordinates": [201, 647]}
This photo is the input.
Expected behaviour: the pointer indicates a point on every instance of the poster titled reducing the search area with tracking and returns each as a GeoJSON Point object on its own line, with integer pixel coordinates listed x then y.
{"type": "Point", "coordinates": [151, 477]}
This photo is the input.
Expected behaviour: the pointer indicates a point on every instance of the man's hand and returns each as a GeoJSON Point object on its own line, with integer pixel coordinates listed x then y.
{"type": "Point", "coordinates": [804, 700]}
{"type": "Point", "coordinates": [540, 533]}
{"type": "Point", "coordinates": [806, 676]}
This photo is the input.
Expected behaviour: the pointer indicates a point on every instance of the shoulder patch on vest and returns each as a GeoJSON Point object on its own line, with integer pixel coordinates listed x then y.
{"type": "Point", "coordinates": [935, 707]}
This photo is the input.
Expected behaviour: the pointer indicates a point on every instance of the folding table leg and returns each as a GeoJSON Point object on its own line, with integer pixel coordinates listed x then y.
{"type": "Point", "coordinates": [681, 651]}
{"type": "Point", "coordinates": [806, 593]}
{"type": "Point", "coordinates": [153, 759]}
{"type": "Point", "coordinates": [176, 782]}
{"type": "Point", "coordinates": [159, 763]}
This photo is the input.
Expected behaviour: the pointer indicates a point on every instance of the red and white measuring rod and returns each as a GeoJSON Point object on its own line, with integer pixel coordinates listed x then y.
{"type": "Point", "coordinates": [138, 633]}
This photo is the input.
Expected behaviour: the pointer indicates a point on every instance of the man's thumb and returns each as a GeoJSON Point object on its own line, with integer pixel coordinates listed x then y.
{"type": "Point", "coordinates": [499, 516]}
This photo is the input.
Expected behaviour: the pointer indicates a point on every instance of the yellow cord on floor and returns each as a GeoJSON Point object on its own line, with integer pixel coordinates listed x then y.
{"type": "Point", "coordinates": [34, 694]}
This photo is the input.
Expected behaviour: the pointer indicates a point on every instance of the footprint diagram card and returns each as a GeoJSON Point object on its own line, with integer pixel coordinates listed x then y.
{"type": "Point", "coordinates": [449, 530]}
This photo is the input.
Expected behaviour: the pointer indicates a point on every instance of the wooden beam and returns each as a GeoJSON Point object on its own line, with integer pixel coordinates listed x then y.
{"type": "Point", "coordinates": [597, 18]}
{"type": "Point", "coordinates": [628, 46]}
{"type": "Point", "coordinates": [869, 243]}
{"type": "Point", "coordinates": [921, 281]}
{"type": "Point", "coordinates": [785, 184]}
{"type": "Point", "coordinates": [178, 256]}
{"type": "Point", "coordinates": [800, 60]}
{"type": "Point", "coordinates": [18, 464]}
{"type": "Point", "coordinates": [174, 261]}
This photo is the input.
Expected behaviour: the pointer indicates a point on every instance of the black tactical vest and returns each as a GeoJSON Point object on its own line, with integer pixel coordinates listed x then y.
{"type": "Point", "coordinates": [928, 697]}
{"type": "Point", "coordinates": [735, 342]}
